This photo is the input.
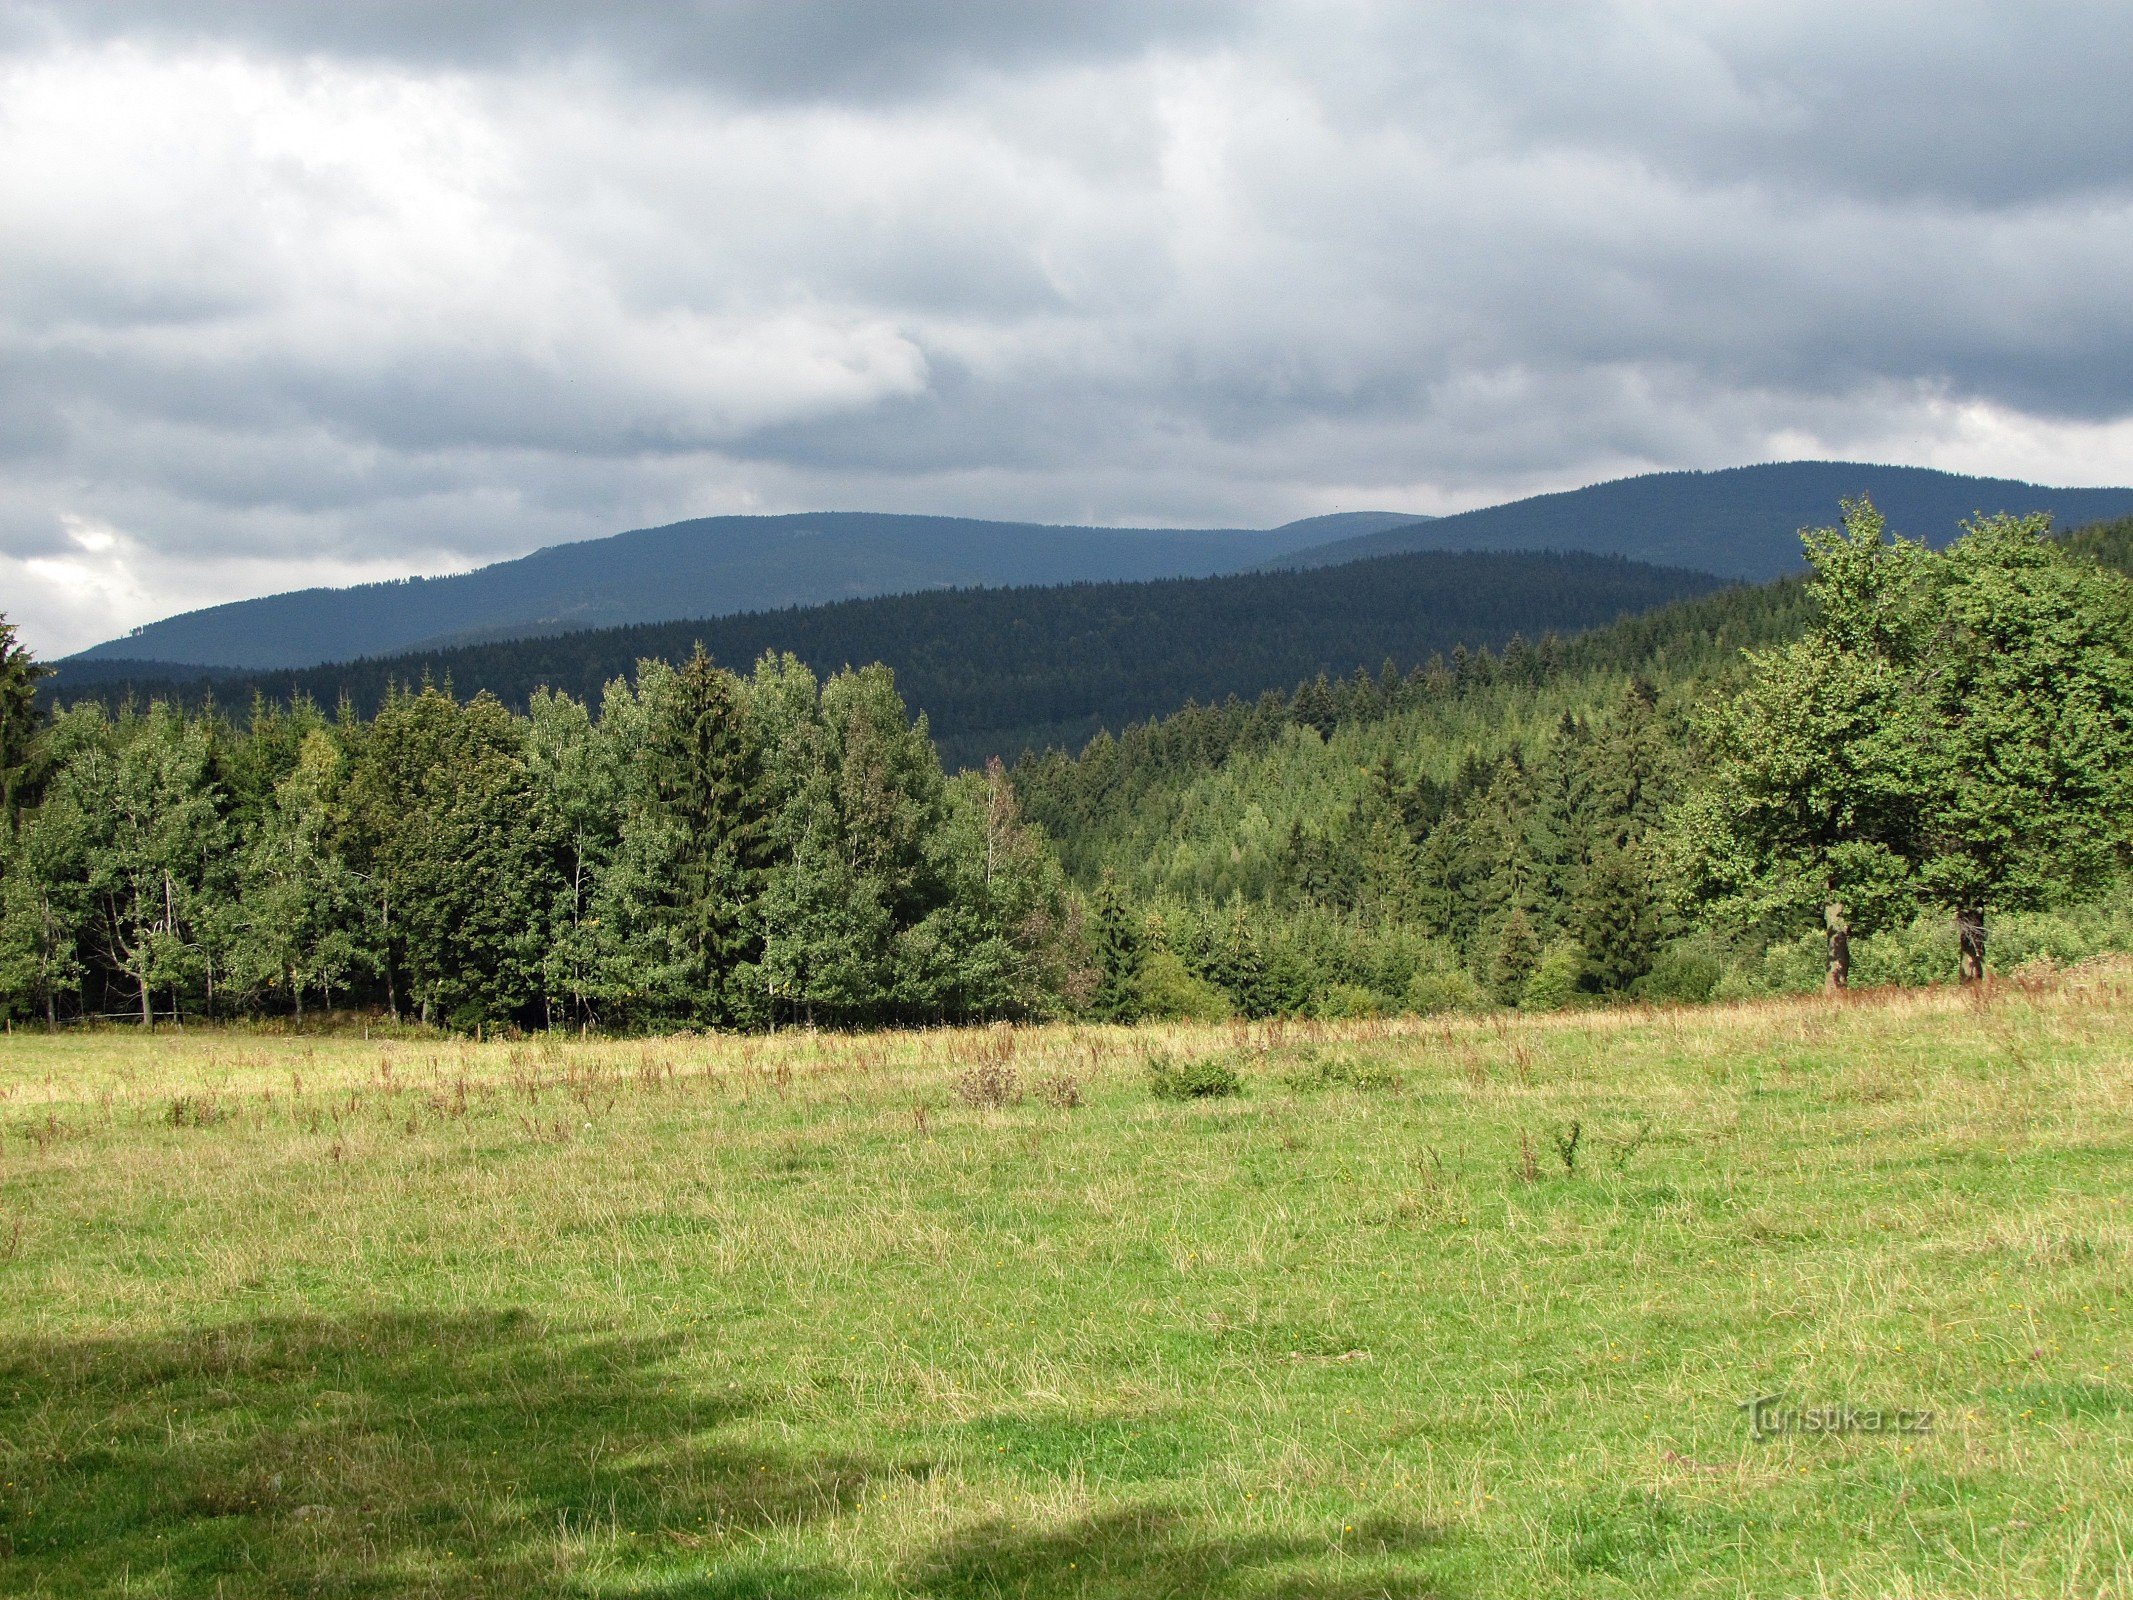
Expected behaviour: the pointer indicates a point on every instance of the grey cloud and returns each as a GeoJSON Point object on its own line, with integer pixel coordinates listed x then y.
{"type": "Point", "coordinates": [1088, 261]}
{"type": "Point", "coordinates": [800, 49]}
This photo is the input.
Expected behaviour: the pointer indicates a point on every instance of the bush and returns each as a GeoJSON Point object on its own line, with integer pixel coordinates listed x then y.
{"type": "Point", "coordinates": [1059, 1090]}
{"type": "Point", "coordinates": [2038, 936]}
{"type": "Point", "coordinates": [1686, 972]}
{"type": "Point", "coordinates": [1206, 1078]}
{"type": "Point", "coordinates": [1169, 991]}
{"type": "Point", "coordinates": [1797, 966]}
{"type": "Point", "coordinates": [1434, 990]}
{"type": "Point", "coordinates": [1318, 1069]}
{"type": "Point", "coordinates": [1554, 983]}
{"type": "Point", "coordinates": [1918, 953]}
{"type": "Point", "coordinates": [989, 1086]}
{"type": "Point", "coordinates": [1344, 1000]}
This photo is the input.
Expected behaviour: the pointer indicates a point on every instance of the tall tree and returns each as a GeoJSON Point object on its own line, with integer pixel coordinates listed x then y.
{"type": "Point", "coordinates": [300, 911]}
{"type": "Point", "coordinates": [46, 906]}
{"type": "Point", "coordinates": [157, 852]}
{"type": "Point", "coordinates": [1809, 799]}
{"type": "Point", "coordinates": [19, 672]}
{"type": "Point", "coordinates": [2028, 741]}
{"type": "Point", "coordinates": [443, 797]}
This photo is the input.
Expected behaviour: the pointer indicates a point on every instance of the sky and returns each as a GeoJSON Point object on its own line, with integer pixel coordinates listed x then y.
{"type": "Point", "coordinates": [295, 293]}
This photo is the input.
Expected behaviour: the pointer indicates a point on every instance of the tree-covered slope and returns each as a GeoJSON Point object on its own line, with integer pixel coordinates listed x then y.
{"type": "Point", "coordinates": [712, 566]}
{"type": "Point", "coordinates": [1741, 523]}
{"type": "Point", "coordinates": [1204, 803]}
{"type": "Point", "coordinates": [999, 670]}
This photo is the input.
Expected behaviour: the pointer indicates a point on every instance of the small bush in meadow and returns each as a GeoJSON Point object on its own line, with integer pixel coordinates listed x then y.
{"type": "Point", "coordinates": [1059, 1090]}
{"type": "Point", "coordinates": [1435, 990]}
{"type": "Point", "coordinates": [1686, 972]}
{"type": "Point", "coordinates": [1317, 1070]}
{"type": "Point", "coordinates": [1204, 1078]}
{"type": "Point", "coordinates": [989, 1086]}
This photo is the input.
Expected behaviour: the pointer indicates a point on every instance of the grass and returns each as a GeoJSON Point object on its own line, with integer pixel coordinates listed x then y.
{"type": "Point", "coordinates": [797, 1316]}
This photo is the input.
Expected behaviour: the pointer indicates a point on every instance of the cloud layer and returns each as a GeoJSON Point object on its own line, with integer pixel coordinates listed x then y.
{"type": "Point", "coordinates": [296, 293]}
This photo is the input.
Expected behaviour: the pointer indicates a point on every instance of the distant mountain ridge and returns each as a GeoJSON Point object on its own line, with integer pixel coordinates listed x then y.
{"type": "Point", "coordinates": [1001, 670]}
{"type": "Point", "coordinates": [1739, 522]}
{"type": "Point", "coordinates": [710, 566]}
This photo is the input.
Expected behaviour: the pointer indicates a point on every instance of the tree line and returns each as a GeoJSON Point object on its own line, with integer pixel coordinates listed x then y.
{"type": "Point", "coordinates": [1908, 743]}
{"type": "Point", "coordinates": [708, 851]}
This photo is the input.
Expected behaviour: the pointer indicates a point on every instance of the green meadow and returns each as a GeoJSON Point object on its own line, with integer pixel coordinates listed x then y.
{"type": "Point", "coordinates": [1445, 1308]}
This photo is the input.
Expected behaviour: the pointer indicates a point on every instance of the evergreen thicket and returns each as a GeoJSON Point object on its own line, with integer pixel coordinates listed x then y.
{"type": "Point", "coordinates": [1843, 779]}
{"type": "Point", "coordinates": [709, 851]}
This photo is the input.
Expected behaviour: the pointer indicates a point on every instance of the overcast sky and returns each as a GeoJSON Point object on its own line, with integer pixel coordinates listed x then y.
{"type": "Point", "coordinates": [295, 292]}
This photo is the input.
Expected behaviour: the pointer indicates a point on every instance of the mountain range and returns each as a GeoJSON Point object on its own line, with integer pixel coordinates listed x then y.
{"type": "Point", "coordinates": [709, 567]}
{"type": "Point", "coordinates": [1740, 523]}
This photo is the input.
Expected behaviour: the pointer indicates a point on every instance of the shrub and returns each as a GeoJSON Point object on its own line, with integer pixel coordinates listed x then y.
{"type": "Point", "coordinates": [1796, 966]}
{"type": "Point", "coordinates": [1204, 1078]}
{"type": "Point", "coordinates": [1913, 955]}
{"type": "Point", "coordinates": [989, 1086]}
{"type": "Point", "coordinates": [2038, 936]}
{"type": "Point", "coordinates": [1434, 990]}
{"type": "Point", "coordinates": [1348, 1000]}
{"type": "Point", "coordinates": [1169, 991]}
{"type": "Point", "coordinates": [1060, 1090]}
{"type": "Point", "coordinates": [1554, 983]}
{"type": "Point", "coordinates": [1686, 972]}
{"type": "Point", "coordinates": [1317, 1070]}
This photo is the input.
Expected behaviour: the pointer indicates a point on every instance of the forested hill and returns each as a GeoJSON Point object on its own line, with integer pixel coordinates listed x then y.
{"type": "Point", "coordinates": [1741, 523]}
{"type": "Point", "coordinates": [712, 566]}
{"type": "Point", "coordinates": [1001, 670]}
{"type": "Point", "coordinates": [1240, 800]}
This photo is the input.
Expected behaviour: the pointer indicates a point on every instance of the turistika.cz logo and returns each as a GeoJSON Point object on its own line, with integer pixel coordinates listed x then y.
{"type": "Point", "coordinates": [1770, 1417]}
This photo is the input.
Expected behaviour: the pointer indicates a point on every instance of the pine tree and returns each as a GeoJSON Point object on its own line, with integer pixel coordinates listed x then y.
{"type": "Point", "coordinates": [447, 821]}
{"type": "Point", "coordinates": [707, 768]}
{"type": "Point", "coordinates": [19, 672]}
{"type": "Point", "coordinates": [1239, 967]}
{"type": "Point", "coordinates": [1616, 920]}
{"type": "Point", "coordinates": [46, 901]}
{"type": "Point", "coordinates": [1118, 953]}
{"type": "Point", "coordinates": [1514, 954]}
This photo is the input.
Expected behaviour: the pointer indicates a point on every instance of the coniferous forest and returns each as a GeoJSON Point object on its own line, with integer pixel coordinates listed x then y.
{"type": "Point", "coordinates": [998, 670]}
{"type": "Point", "coordinates": [1911, 767]}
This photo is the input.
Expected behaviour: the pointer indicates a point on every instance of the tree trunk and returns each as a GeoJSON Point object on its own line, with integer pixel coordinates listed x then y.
{"type": "Point", "coordinates": [148, 1012]}
{"type": "Point", "coordinates": [392, 994]}
{"type": "Point", "coordinates": [296, 993]}
{"type": "Point", "coordinates": [1838, 922]}
{"type": "Point", "coordinates": [1970, 940]}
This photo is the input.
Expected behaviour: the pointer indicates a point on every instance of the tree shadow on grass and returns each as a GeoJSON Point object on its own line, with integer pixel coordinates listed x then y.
{"type": "Point", "coordinates": [390, 1454]}
{"type": "Point", "coordinates": [1152, 1554]}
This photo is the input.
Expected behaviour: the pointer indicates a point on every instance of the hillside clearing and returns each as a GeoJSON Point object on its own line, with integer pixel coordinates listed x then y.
{"type": "Point", "coordinates": [1429, 1308]}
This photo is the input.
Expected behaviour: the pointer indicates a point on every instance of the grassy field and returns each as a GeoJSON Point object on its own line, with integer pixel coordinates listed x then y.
{"type": "Point", "coordinates": [811, 1316]}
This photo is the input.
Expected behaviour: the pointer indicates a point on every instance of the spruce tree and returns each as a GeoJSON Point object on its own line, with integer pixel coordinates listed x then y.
{"type": "Point", "coordinates": [19, 672]}
{"type": "Point", "coordinates": [707, 764]}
